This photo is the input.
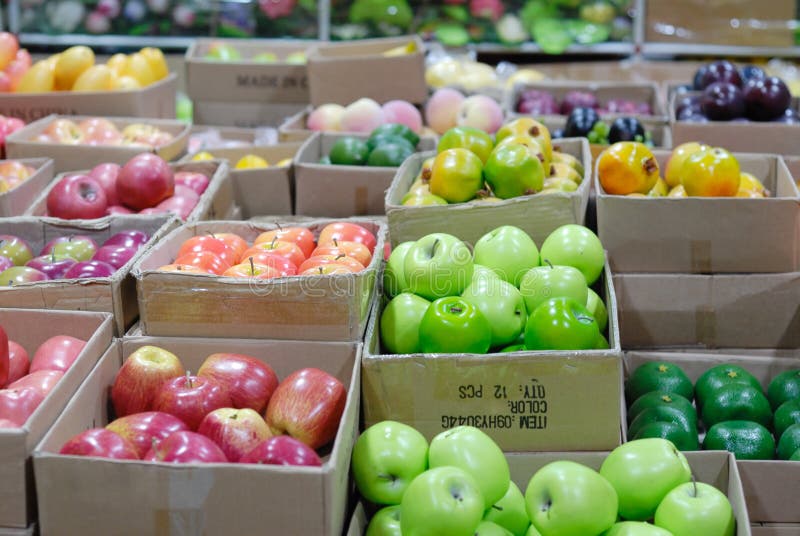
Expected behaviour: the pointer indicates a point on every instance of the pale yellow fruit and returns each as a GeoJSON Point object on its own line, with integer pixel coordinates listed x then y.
{"type": "Point", "coordinates": [139, 68]}
{"type": "Point", "coordinates": [71, 64]}
{"type": "Point", "coordinates": [677, 191]}
{"type": "Point", "coordinates": [284, 162]}
{"type": "Point", "coordinates": [118, 63]}
{"type": "Point", "coordinates": [38, 79]}
{"type": "Point", "coordinates": [202, 156]}
{"type": "Point", "coordinates": [158, 64]}
{"type": "Point", "coordinates": [95, 78]}
{"type": "Point", "coordinates": [126, 83]}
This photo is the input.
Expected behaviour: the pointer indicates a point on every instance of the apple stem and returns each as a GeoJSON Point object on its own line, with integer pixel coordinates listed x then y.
{"type": "Point", "coordinates": [435, 245]}
{"type": "Point", "coordinates": [52, 256]}
{"type": "Point", "coordinates": [272, 244]}
{"type": "Point", "coordinates": [320, 270]}
{"type": "Point", "coordinates": [252, 267]}
{"type": "Point", "coordinates": [189, 384]}
{"type": "Point", "coordinates": [278, 225]}
{"type": "Point", "coordinates": [340, 256]}
{"type": "Point", "coordinates": [499, 508]}
{"type": "Point", "coordinates": [550, 264]}
{"type": "Point", "coordinates": [456, 309]}
{"type": "Point", "coordinates": [694, 486]}
{"type": "Point", "coordinates": [336, 242]}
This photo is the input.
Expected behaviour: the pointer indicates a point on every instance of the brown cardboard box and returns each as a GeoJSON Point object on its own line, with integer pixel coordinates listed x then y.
{"type": "Point", "coordinates": [7, 531]}
{"type": "Point", "coordinates": [30, 329]}
{"type": "Point", "coordinates": [767, 483]}
{"type": "Point", "coordinates": [220, 498]}
{"type": "Point", "coordinates": [243, 114]}
{"type": "Point", "coordinates": [633, 69]}
{"type": "Point", "coordinates": [723, 22]}
{"type": "Point", "coordinates": [207, 137]}
{"type": "Point", "coordinates": [773, 529]}
{"type": "Point", "coordinates": [715, 468]}
{"type": "Point", "coordinates": [333, 307]}
{"type": "Point", "coordinates": [705, 234]}
{"type": "Point", "coordinates": [17, 200]}
{"type": "Point", "coordinates": [342, 73]}
{"type": "Point", "coordinates": [527, 401]}
{"type": "Point", "coordinates": [216, 202]}
{"type": "Point", "coordinates": [538, 215]}
{"type": "Point", "coordinates": [712, 311]}
{"type": "Point", "coordinates": [247, 80]}
{"type": "Point", "coordinates": [68, 157]}
{"type": "Point", "coordinates": [115, 294]}
{"type": "Point", "coordinates": [155, 101]}
{"type": "Point", "coordinates": [340, 191]}
{"type": "Point", "coordinates": [793, 163]}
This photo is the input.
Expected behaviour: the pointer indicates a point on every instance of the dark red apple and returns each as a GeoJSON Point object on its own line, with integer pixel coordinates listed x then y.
{"type": "Point", "coordinates": [57, 353]}
{"type": "Point", "coordinates": [18, 362]}
{"type": "Point", "coordinates": [145, 181]}
{"type": "Point", "coordinates": [182, 203]}
{"type": "Point", "coordinates": [100, 443]}
{"type": "Point", "coordinates": [116, 256]}
{"type": "Point", "coordinates": [129, 238]}
{"type": "Point", "coordinates": [235, 431]}
{"type": "Point", "coordinates": [17, 405]}
{"type": "Point", "coordinates": [52, 265]}
{"type": "Point", "coordinates": [185, 447]}
{"type": "Point", "coordinates": [106, 175]}
{"type": "Point", "coordinates": [196, 181]}
{"type": "Point", "coordinates": [766, 99]}
{"type": "Point", "coordinates": [89, 269]}
{"type": "Point", "coordinates": [42, 380]}
{"type": "Point", "coordinates": [118, 209]}
{"type": "Point", "coordinates": [191, 398]}
{"type": "Point", "coordinates": [717, 71]}
{"type": "Point", "coordinates": [140, 429]}
{"type": "Point", "coordinates": [722, 101]}
{"type": "Point", "coordinates": [77, 197]}
{"type": "Point", "coordinates": [282, 450]}
{"type": "Point", "coordinates": [249, 381]}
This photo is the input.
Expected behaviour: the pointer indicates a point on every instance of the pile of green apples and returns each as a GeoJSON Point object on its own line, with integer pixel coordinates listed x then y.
{"type": "Point", "coordinates": [460, 485]}
{"type": "Point", "coordinates": [504, 296]}
{"type": "Point", "coordinates": [471, 165]}
{"type": "Point", "coordinates": [387, 146]}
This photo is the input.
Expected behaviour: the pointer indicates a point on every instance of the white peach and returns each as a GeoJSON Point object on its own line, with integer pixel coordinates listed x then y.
{"type": "Point", "coordinates": [327, 117]}
{"type": "Point", "coordinates": [403, 112]}
{"type": "Point", "coordinates": [441, 110]}
{"type": "Point", "coordinates": [480, 111]}
{"type": "Point", "coordinates": [363, 115]}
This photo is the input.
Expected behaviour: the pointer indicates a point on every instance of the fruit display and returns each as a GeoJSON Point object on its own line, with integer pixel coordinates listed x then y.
{"type": "Point", "coordinates": [248, 161]}
{"type": "Point", "coordinates": [8, 125]}
{"type": "Point", "coordinates": [227, 52]}
{"type": "Point", "coordinates": [387, 146]}
{"type": "Point", "coordinates": [67, 257]}
{"type": "Point", "coordinates": [102, 131]}
{"type": "Point", "coordinates": [146, 184]}
{"type": "Point", "coordinates": [584, 122]}
{"type": "Point", "coordinates": [505, 295]}
{"type": "Point", "coordinates": [13, 173]}
{"type": "Point", "coordinates": [461, 484]}
{"type": "Point", "coordinates": [340, 248]}
{"type": "Point", "coordinates": [364, 116]}
{"type": "Point", "coordinates": [449, 107]}
{"type": "Point", "coordinates": [538, 102]}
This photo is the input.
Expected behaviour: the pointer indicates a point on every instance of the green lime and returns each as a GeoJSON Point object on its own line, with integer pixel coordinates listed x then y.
{"type": "Point", "coordinates": [388, 155]}
{"type": "Point", "coordinates": [662, 413]}
{"type": "Point", "coordinates": [786, 415]}
{"type": "Point", "coordinates": [785, 386]}
{"type": "Point", "coordinates": [396, 129]}
{"type": "Point", "coordinates": [349, 152]}
{"type": "Point", "coordinates": [789, 442]}
{"type": "Point", "coordinates": [386, 139]}
{"type": "Point", "coordinates": [682, 439]}
{"type": "Point", "coordinates": [747, 440]}
{"type": "Point", "coordinates": [655, 398]}
{"type": "Point", "coordinates": [795, 457]}
{"type": "Point", "coordinates": [657, 376]}
{"type": "Point", "coordinates": [736, 402]}
{"type": "Point", "coordinates": [513, 348]}
{"type": "Point", "coordinates": [720, 375]}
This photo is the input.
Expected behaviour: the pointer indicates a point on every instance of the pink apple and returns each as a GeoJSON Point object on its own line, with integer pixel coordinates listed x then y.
{"type": "Point", "coordinates": [100, 443]}
{"type": "Point", "coordinates": [57, 353]}
{"type": "Point", "coordinates": [282, 450]}
{"type": "Point", "coordinates": [130, 238]}
{"type": "Point", "coordinates": [99, 131]}
{"type": "Point", "coordinates": [196, 181]}
{"type": "Point", "coordinates": [64, 131]}
{"type": "Point", "coordinates": [235, 431]}
{"type": "Point", "coordinates": [249, 381]}
{"type": "Point", "coordinates": [18, 362]}
{"type": "Point", "coordinates": [145, 181]}
{"type": "Point", "coordinates": [118, 209]}
{"type": "Point", "coordinates": [5, 423]}
{"type": "Point", "coordinates": [140, 429]}
{"type": "Point", "coordinates": [186, 447]}
{"type": "Point", "coordinates": [116, 256]}
{"type": "Point", "coordinates": [106, 175]}
{"type": "Point", "coordinates": [42, 380]}
{"type": "Point", "coordinates": [52, 265]}
{"type": "Point", "coordinates": [191, 398]}
{"type": "Point", "coordinates": [90, 269]}
{"type": "Point", "coordinates": [140, 378]}
{"type": "Point", "coordinates": [77, 197]}
{"type": "Point", "coordinates": [182, 203]}
{"type": "Point", "coordinates": [17, 405]}
{"type": "Point", "coordinates": [153, 210]}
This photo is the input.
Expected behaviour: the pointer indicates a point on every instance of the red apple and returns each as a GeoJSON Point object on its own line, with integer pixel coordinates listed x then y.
{"type": "Point", "coordinates": [186, 268]}
{"type": "Point", "coordinates": [249, 269]}
{"type": "Point", "coordinates": [356, 250]}
{"type": "Point", "coordinates": [321, 260]}
{"type": "Point", "coordinates": [118, 209]}
{"type": "Point", "coordinates": [191, 398]}
{"type": "Point", "coordinates": [328, 269]}
{"type": "Point", "coordinates": [289, 250]}
{"type": "Point", "coordinates": [204, 260]}
{"type": "Point", "coordinates": [140, 378]}
{"type": "Point", "coordinates": [234, 241]}
{"type": "Point", "coordinates": [116, 256]}
{"type": "Point", "coordinates": [153, 210]}
{"type": "Point", "coordinates": [106, 175]}
{"type": "Point", "coordinates": [131, 238]}
{"type": "Point", "coordinates": [52, 265]}
{"type": "Point", "coordinates": [99, 131]}
{"type": "Point", "coordinates": [42, 380]}
{"type": "Point", "coordinates": [249, 381]}
{"type": "Point", "coordinates": [347, 232]}
{"type": "Point", "coordinates": [282, 450]}
{"type": "Point", "coordinates": [18, 362]}
{"type": "Point", "coordinates": [284, 266]}
{"type": "Point", "coordinates": [77, 197]}
{"type": "Point", "coordinates": [196, 181]}
{"type": "Point", "coordinates": [17, 405]}
{"type": "Point", "coordinates": [5, 360]}
{"type": "Point", "coordinates": [297, 235]}
{"type": "Point", "coordinates": [145, 181]}
{"type": "Point", "coordinates": [235, 431]}
{"type": "Point", "coordinates": [57, 353]}
{"type": "Point", "coordinates": [140, 429]}
{"type": "Point", "coordinates": [100, 443]}
{"type": "Point", "coordinates": [5, 423]}
{"type": "Point", "coordinates": [181, 203]}
{"type": "Point", "coordinates": [307, 405]}
{"type": "Point", "coordinates": [209, 243]}
{"type": "Point", "coordinates": [89, 269]}
{"type": "Point", "coordinates": [185, 447]}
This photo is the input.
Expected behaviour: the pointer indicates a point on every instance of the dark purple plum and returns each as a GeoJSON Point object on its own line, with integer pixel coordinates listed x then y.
{"type": "Point", "coordinates": [537, 102]}
{"type": "Point", "coordinates": [766, 99]}
{"type": "Point", "coordinates": [625, 129]}
{"type": "Point", "coordinates": [722, 101]}
{"type": "Point", "coordinates": [789, 117]}
{"type": "Point", "coordinates": [580, 122]}
{"type": "Point", "coordinates": [578, 99]}
{"type": "Point", "coordinates": [683, 88]}
{"type": "Point", "coordinates": [699, 75]}
{"type": "Point", "coordinates": [750, 72]}
{"type": "Point", "coordinates": [687, 102]}
{"type": "Point", "coordinates": [718, 71]}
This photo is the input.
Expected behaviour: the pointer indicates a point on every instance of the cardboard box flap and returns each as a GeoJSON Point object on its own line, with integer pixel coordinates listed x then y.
{"type": "Point", "coordinates": [16, 201]}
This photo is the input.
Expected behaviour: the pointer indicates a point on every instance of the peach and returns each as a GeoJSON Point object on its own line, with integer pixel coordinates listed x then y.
{"type": "Point", "coordinates": [327, 117]}
{"type": "Point", "coordinates": [480, 111]}
{"type": "Point", "coordinates": [441, 110]}
{"type": "Point", "coordinates": [405, 113]}
{"type": "Point", "coordinates": [363, 115]}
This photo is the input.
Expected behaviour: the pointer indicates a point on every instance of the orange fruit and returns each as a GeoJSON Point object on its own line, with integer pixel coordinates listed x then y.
{"type": "Point", "coordinates": [672, 171]}
{"type": "Point", "coordinates": [711, 173]}
{"type": "Point", "coordinates": [627, 167]}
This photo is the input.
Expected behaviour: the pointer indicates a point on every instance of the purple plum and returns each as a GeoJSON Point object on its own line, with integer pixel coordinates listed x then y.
{"type": "Point", "coordinates": [718, 71]}
{"type": "Point", "coordinates": [766, 99]}
{"type": "Point", "coordinates": [722, 101]}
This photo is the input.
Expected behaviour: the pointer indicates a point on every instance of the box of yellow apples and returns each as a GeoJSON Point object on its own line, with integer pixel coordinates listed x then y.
{"type": "Point", "coordinates": [696, 209]}
{"type": "Point", "coordinates": [21, 181]}
{"type": "Point", "coordinates": [73, 82]}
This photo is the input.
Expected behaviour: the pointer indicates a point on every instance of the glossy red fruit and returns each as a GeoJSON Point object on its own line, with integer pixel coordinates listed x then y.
{"type": "Point", "coordinates": [101, 443]}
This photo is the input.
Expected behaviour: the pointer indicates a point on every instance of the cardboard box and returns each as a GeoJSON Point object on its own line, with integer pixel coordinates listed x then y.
{"type": "Point", "coordinates": [725, 22]}
{"type": "Point", "coordinates": [247, 80]}
{"type": "Point", "coordinates": [16, 201]}
{"type": "Point", "coordinates": [155, 101]}
{"type": "Point", "coordinates": [527, 401]}
{"type": "Point", "coordinates": [705, 234]}
{"type": "Point", "coordinates": [333, 307]}
{"type": "Point", "coordinates": [775, 529]}
{"type": "Point", "coordinates": [30, 531]}
{"type": "Point", "coordinates": [767, 483]}
{"type": "Point", "coordinates": [538, 215]}
{"type": "Point", "coordinates": [30, 329]}
{"type": "Point", "coordinates": [68, 157]}
{"type": "Point", "coordinates": [216, 202]}
{"type": "Point", "coordinates": [711, 311]}
{"type": "Point", "coordinates": [340, 191]}
{"type": "Point", "coordinates": [137, 497]}
{"type": "Point", "coordinates": [115, 294]}
{"type": "Point", "coordinates": [793, 163]}
{"type": "Point", "coordinates": [243, 114]}
{"type": "Point", "coordinates": [342, 73]}
{"type": "Point", "coordinates": [715, 468]}
{"type": "Point", "coordinates": [208, 137]}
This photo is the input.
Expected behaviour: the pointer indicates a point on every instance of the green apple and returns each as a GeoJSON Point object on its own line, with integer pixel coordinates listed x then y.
{"type": "Point", "coordinates": [512, 171]}
{"type": "Point", "coordinates": [513, 348]}
{"type": "Point", "coordinates": [481, 272]}
{"type": "Point", "coordinates": [394, 280]}
{"type": "Point", "coordinates": [642, 472]}
{"type": "Point", "coordinates": [502, 305]}
{"type": "Point", "coordinates": [400, 322]}
{"type": "Point", "coordinates": [386, 457]}
{"type": "Point", "coordinates": [510, 512]}
{"type": "Point", "coordinates": [602, 343]}
{"type": "Point", "coordinates": [561, 324]}
{"type": "Point", "coordinates": [80, 248]}
{"type": "Point", "coordinates": [566, 498]}
{"type": "Point", "coordinates": [597, 308]}
{"type": "Point", "coordinates": [545, 282]}
{"type": "Point", "coordinates": [636, 528]}
{"type": "Point", "coordinates": [444, 501]}
{"type": "Point", "coordinates": [223, 52]}
{"type": "Point", "coordinates": [265, 57]}
{"type": "Point", "coordinates": [696, 508]}
{"type": "Point", "coordinates": [470, 449]}
{"type": "Point", "coordinates": [509, 251]}
{"type": "Point", "coordinates": [453, 326]}
{"type": "Point", "coordinates": [532, 531]}
{"type": "Point", "coordinates": [473, 139]}
{"type": "Point", "coordinates": [385, 522]}
{"type": "Point", "coordinates": [438, 265]}
{"type": "Point", "coordinates": [298, 57]}
{"type": "Point", "coordinates": [16, 249]}
{"type": "Point", "coordinates": [575, 245]}
{"type": "Point", "coordinates": [487, 528]}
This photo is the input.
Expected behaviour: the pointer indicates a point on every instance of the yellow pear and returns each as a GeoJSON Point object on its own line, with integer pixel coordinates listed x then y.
{"type": "Point", "coordinates": [126, 82]}
{"type": "Point", "coordinates": [158, 64]}
{"type": "Point", "coordinates": [118, 63]}
{"type": "Point", "coordinates": [71, 64]}
{"type": "Point", "coordinates": [95, 78]}
{"type": "Point", "coordinates": [38, 79]}
{"type": "Point", "coordinates": [139, 68]}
